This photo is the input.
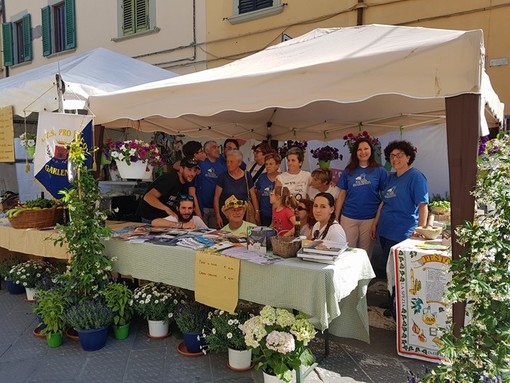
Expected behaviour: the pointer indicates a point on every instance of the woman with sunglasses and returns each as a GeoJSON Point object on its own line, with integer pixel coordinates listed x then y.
{"type": "Point", "coordinates": [327, 227]}
{"type": "Point", "coordinates": [361, 184]}
{"type": "Point", "coordinates": [405, 199]}
{"type": "Point", "coordinates": [305, 214]}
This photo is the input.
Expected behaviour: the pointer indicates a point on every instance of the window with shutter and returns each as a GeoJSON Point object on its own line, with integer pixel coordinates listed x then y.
{"type": "Point", "coordinates": [58, 27]}
{"type": "Point", "coordinates": [135, 16]}
{"type": "Point", "coordinates": [70, 25]}
{"type": "Point", "coordinates": [46, 30]}
{"type": "Point", "coordinates": [7, 44]}
{"type": "Point", "coordinates": [247, 10]}
{"type": "Point", "coordinates": [253, 5]}
{"type": "Point", "coordinates": [27, 37]}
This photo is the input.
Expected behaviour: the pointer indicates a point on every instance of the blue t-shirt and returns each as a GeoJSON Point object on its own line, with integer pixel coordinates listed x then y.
{"type": "Point", "coordinates": [363, 190]}
{"type": "Point", "coordinates": [264, 186]}
{"type": "Point", "coordinates": [205, 182]}
{"type": "Point", "coordinates": [231, 186]}
{"type": "Point", "coordinates": [401, 197]}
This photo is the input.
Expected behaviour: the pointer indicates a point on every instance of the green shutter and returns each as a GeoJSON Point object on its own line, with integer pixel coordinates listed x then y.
{"type": "Point", "coordinates": [142, 15]}
{"type": "Point", "coordinates": [70, 24]}
{"type": "Point", "coordinates": [128, 24]}
{"type": "Point", "coordinates": [27, 37]}
{"type": "Point", "coordinates": [7, 42]}
{"type": "Point", "coordinates": [46, 30]}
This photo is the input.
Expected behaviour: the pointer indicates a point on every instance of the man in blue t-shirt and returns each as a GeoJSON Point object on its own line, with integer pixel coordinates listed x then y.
{"type": "Point", "coordinates": [204, 184]}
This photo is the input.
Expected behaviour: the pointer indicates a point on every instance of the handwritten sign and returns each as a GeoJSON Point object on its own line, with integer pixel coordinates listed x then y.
{"type": "Point", "coordinates": [217, 280]}
{"type": "Point", "coordinates": [6, 135]}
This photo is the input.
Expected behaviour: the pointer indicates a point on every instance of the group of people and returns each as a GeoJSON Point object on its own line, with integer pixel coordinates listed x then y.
{"type": "Point", "coordinates": [210, 189]}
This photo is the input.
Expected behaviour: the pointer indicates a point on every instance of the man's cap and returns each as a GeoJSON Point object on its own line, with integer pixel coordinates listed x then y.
{"type": "Point", "coordinates": [189, 162]}
{"type": "Point", "coordinates": [191, 147]}
{"type": "Point", "coordinates": [231, 202]}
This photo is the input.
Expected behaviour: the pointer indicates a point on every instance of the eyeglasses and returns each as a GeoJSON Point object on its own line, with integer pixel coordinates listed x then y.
{"type": "Point", "coordinates": [301, 208]}
{"type": "Point", "coordinates": [398, 155]}
{"type": "Point", "coordinates": [199, 151]}
{"type": "Point", "coordinates": [186, 197]}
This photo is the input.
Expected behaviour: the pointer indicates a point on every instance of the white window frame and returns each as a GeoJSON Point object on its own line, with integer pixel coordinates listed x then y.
{"type": "Point", "coordinates": [237, 18]}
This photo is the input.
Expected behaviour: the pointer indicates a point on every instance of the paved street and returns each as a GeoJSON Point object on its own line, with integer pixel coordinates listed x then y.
{"type": "Point", "coordinates": [26, 358]}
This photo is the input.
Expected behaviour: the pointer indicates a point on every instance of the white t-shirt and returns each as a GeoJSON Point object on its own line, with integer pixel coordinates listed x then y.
{"type": "Point", "coordinates": [335, 233]}
{"type": "Point", "coordinates": [333, 190]}
{"type": "Point", "coordinates": [297, 183]}
{"type": "Point", "coordinates": [197, 221]}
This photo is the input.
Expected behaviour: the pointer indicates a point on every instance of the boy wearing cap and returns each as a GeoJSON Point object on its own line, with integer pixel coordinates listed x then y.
{"type": "Point", "coordinates": [234, 209]}
{"type": "Point", "coordinates": [160, 198]}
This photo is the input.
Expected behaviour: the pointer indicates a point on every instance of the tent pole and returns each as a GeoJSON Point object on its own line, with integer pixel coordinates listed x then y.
{"type": "Point", "coordinates": [60, 93]}
{"type": "Point", "coordinates": [462, 129]}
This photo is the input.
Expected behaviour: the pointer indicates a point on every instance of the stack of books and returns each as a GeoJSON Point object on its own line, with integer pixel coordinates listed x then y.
{"type": "Point", "coordinates": [322, 251]}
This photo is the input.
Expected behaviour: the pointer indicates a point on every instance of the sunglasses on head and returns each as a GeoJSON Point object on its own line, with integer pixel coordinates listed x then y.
{"type": "Point", "coordinates": [238, 203]}
{"type": "Point", "coordinates": [186, 197]}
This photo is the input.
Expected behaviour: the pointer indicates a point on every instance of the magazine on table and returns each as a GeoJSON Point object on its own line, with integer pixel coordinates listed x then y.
{"type": "Point", "coordinates": [325, 247]}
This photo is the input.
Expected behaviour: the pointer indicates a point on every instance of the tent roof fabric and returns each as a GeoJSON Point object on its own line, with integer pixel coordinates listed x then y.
{"type": "Point", "coordinates": [320, 85]}
{"type": "Point", "coordinates": [91, 73]}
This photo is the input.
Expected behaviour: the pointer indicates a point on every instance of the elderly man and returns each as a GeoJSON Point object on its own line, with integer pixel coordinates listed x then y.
{"type": "Point", "coordinates": [161, 195]}
{"type": "Point", "coordinates": [204, 184]}
{"type": "Point", "coordinates": [235, 209]}
{"type": "Point", "coordinates": [185, 218]}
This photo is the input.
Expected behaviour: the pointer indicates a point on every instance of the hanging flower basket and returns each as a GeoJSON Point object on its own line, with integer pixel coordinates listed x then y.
{"type": "Point", "coordinates": [135, 170]}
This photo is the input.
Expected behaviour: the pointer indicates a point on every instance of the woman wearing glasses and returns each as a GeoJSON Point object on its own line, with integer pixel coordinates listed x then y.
{"type": "Point", "coordinates": [405, 199]}
{"type": "Point", "coordinates": [361, 184]}
{"type": "Point", "coordinates": [327, 227]}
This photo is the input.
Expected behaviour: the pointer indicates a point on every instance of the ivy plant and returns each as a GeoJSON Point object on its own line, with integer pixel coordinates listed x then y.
{"type": "Point", "coordinates": [481, 278]}
{"type": "Point", "coordinates": [89, 269]}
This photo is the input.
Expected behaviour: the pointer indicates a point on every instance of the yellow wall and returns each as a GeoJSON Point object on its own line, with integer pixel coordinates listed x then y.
{"type": "Point", "coordinates": [227, 42]}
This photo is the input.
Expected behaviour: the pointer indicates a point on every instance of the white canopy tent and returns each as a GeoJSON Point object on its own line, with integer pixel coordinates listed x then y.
{"type": "Point", "coordinates": [317, 86]}
{"type": "Point", "coordinates": [91, 73]}
{"type": "Point", "coordinates": [327, 82]}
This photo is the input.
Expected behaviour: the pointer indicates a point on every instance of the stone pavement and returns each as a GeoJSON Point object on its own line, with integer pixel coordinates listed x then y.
{"type": "Point", "coordinates": [26, 358]}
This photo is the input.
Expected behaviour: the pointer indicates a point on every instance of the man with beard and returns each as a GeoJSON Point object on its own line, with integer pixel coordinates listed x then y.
{"type": "Point", "coordinates": [161, 196]}
{"type": "Point", "coordinates": [185, 218]}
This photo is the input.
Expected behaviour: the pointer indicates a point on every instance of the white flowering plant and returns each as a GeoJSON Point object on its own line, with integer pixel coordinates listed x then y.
{"type": "Point", "coordinates": [28, 273]}
{"type": "Point", "coordinates": [225, 330]}
{"type": "Point", "coordinates": [157, 301]}
{"type": "Point", "coordinates": [27, 140]}
{"type": "Point", "coordinates": [279, 340]}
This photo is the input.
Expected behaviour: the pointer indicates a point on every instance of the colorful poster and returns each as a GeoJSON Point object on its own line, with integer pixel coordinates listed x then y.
{"type": "Point", "coordinates": [420, 283]}
{"type": "Point", "coordinates": [54, 132]}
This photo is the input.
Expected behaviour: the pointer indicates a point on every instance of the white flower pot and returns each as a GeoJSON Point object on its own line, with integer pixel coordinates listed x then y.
{"type": "Point", "coordinates": [30, 293]}
{"type": "Point", "coordinates": [158, 328]}
{"type": "Point", "coordinates": [239, 360]}
{"type": "Point", "coordinates": [274, 379]}
{"type": "Point", "coordinates": [135, 170]}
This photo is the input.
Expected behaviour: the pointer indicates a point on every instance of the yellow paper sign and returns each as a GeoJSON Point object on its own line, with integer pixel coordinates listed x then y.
{"type": "Point", "coordinates": [217, 280]}
{"type": "Point", "coordinates": [6, 135]}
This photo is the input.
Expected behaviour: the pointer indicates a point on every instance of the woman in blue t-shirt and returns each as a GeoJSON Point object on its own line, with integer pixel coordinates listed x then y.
{"type": "Point", "coordinates": [361, 184]}
{"type": "Point", "coordinates": [265, 184]}
{"type": "Point", "coordinates": [405, 199]}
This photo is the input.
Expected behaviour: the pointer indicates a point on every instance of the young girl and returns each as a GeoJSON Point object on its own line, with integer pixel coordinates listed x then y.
{"type": "Point", "coordinates": [326, 227]}
{"type": "Point", "coordinates": [305, 214]}
{"type": "Point", "coordinates": [283, 211]}
{"type": "Point", "coordinates": [264, 185]}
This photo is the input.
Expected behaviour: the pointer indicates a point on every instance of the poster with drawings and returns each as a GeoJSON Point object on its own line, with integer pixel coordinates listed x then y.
{"type": "Point", "coordinates": [421, 310]}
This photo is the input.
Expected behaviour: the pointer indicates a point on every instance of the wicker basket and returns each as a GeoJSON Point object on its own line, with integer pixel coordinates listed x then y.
{"type": "Point", "coordinates": [36, 218]}
{"type": "Point", "coordinates": [283, 246]}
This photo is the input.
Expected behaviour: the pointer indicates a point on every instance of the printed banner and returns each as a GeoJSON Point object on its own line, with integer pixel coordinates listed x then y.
{"type": "Point", "coordinates": [6, 135]}
{"type": "Point", "coordinates": [54, 132]}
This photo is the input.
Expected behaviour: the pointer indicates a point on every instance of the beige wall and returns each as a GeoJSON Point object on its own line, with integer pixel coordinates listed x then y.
{"type": "Point", "coordinates": [96, 24]}
{"type": "Point", "coordinates": [226, 41]}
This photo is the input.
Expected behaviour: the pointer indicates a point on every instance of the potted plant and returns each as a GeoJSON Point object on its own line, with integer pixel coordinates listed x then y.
{"type": "Point", "coordinates": [192, 319]}
{"type": "Point", "coordinates": [91, 319]}
{"type": "Point", "coordinates": [156, 302]}
{"type": "Point", "coordinates": [28, 273]}
{"type": "Point", "coordinates": [51, 306]}
{"type": "Point", "coordinates": [134, 158]}
{"type": "Point", "coordinates": [325, 155]}
{"type": "Point", "coordinates": [225, 334]}
{"type": "Point", "coordinates": [119, 298]}
{"type": "Point", "coordinates": [282, 150]}
{"type": "Point", "coordinates": [279, 341]}
{"type": "Point", "coordinates": [27, 140]}
{"type": "Point", "coordinates": [5, 267]}
{"type": "Point", "coordinates": [88, 270]}
{"type": "Point", "coordinates": [350, 140]}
